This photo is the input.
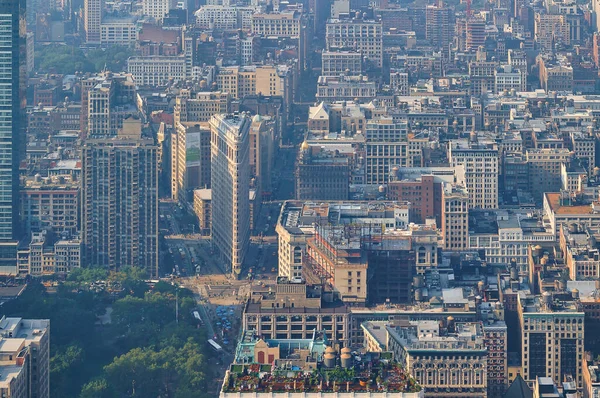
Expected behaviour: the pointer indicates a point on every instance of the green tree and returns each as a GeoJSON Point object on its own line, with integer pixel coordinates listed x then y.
{"type": "Point", "coordinates": [65, 366]}
{"type": "Point", "coordinates": [98, 388]}
{"type": "Point", "coordinates": [114, 58]}
{"type": "Point", "coordinates": [62, 59]}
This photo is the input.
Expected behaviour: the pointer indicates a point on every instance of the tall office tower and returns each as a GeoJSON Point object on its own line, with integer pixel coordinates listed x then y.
{"type": "Point", "coordinates": [13, 67]}
{"type": "Point", "coordinates": [230, 181]}
{"type": "Point", "coordinates": [438, 29]}
{"type": "Point", "coordinates": [481, 174]}
{"type": "Point", "coordinates": [119, 201]}
{"type": "Point", "coordinates": [92, 19]}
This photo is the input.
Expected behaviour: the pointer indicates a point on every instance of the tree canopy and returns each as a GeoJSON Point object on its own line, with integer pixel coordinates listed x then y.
{"type": "Point", "coordinates": [65, 59]}
{"type": "Point", "coordinates": [142, 351]}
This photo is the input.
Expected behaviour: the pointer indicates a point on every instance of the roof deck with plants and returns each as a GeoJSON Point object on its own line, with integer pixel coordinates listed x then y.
{"type": "Point", "coordinates": [371, 373]}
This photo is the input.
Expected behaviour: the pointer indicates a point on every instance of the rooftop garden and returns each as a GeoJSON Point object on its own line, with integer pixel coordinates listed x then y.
{"type": "Point", "coordinates": [371, 376]}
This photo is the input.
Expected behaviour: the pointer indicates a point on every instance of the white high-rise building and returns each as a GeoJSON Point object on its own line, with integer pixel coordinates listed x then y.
{"type": "Point", "coordinates": [481, 174]}
{"type": "Point", "coordinates": [230, 183]}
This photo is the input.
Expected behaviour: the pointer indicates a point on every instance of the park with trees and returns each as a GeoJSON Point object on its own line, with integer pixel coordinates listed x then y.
{"type": "Point", "coordinates": [123, 340]}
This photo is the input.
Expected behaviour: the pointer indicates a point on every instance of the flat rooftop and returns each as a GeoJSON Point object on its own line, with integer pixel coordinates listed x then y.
{"type": "Point", "coordinates": [563, 208]}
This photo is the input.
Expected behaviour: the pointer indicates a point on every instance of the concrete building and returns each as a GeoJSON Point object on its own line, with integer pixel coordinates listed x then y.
{"type": "Point", "coordinates": [360, 35]}
{"type": "Point", "coordinates": [551, 29]}
{"type": "Point", "coordinates": [560, 209]}
{"type": "Point", "coordinates": [481, 173]}
{"type": "Point", "coordinates": [495, 337]}
{"type": "Point", "coordinates": [227, 18]}
{"type": "Point", "coordinates": [298, 223]}
{"type": "Point", "coordinates": [552, 335]}
{"type": "Point", "coordinates": [282, 24]}
{"type": "Point", "coordinates": [230, 184]}
{"type": "Point", "coordinates": [46, 254]}
{"type": "Point", "coordinates": [119, 200]}
{"type": "Point", "coordinates": [92, 19]}
{"type": "Point", "coordinates": [506, 78]}
{"type": "Point", "coordinates": [373, 262]}
{"type": "Point", "coordinates": [266, 80]}
{"type": "Point", "coordinates": [455, 217]}
{"type": "Point", "coordinates": [591, 377]}
{"type": "Point", "coordinates": [399, 82]}
{"type": "Point", "coordinates": [203, 210]}
{"type": "Point", "coordinates": [424, 195]}
{"type": "Point", "coordinates": [336, 63]}
{"type": "Point", "coordinates": [190, 159]}
{"type": "Point", "coordinates": [439, 27]}
{"type": "Point", "coordinates": [25, 358]}
{"type": "Point", "coordinates": [157, 70]}
{"type": "Point", "coordinates": [263, 141]}
{"type": "Point", "coordinates": [106, 100]}
{"type": "Point", "coordinates": [482, 77]}
{"type": "Point", "coordinates": [422, 346]}
{"type": "Point", "coordinates": [322, 174]}
{"type": "Point", "coordinates": [118, 31]}
{"type": "Point", "coordinates": [200, 107]}
{"type": "Point", "coordinates": [475, 33]}
{"type": "Point", "coordinates": [295, 310]}
{"type": "Point", "coordinates": [518, 61]}
{"type": "Point", "coordinates": [386, 147]}
{"type": "Point", "coordinates": [505, 235]}
{"type": "Point", "coordinates": [584, 147]}
{"type": "Point", "coordinates": [580, 251]}
{"type": "Point", "coordinates": [50, 202]}
{"type": "Point", "coordinates": [545, 170]}
{"type": "Point", "coordinates": [157, 9]}
{"type": "Point", "coordinates": [555, 74]}
{"type": "Point", "coordinates": [345, 88]}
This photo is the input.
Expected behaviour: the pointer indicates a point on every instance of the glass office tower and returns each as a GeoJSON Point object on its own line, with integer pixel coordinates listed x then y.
{"type": "Point", "coordinates": [13, 70]}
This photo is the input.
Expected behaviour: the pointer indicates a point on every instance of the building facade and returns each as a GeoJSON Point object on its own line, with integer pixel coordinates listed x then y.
{"type": "Point", "coordinates": [119, 201]}
{"type": "Point", "coordinates": [230, 183]}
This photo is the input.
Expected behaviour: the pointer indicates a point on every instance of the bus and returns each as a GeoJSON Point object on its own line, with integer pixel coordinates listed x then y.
{"type": "Point", "coordinates": [214, 345]}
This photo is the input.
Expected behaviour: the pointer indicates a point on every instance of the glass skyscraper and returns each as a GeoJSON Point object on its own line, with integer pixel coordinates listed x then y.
{"type": "Point", "coordinates": [13, 70]}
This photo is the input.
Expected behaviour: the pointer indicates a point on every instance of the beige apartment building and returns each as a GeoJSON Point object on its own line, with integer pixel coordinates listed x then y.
{"type": "Point", "coordinates": [200, 107]}
{"type": "Point", "coordinates": [119, 200]}
{"type": "Point", "coordinates": [190, 159]}
{"type": "Point", "coordinates": [50, 202]}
